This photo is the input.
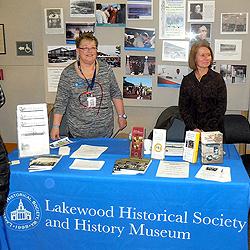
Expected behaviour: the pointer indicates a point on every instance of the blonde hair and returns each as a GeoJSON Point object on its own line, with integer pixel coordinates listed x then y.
{"type": "Point", "coordinates": [194, 50]}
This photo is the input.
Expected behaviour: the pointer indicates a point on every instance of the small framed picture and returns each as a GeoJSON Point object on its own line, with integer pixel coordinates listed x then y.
{"type": "Point", "coordinates": [2, 40]}
{"type": "Point", "coordinates": [234, 23]}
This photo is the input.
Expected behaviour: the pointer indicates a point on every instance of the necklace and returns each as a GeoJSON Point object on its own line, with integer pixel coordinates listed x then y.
{"type": "Point", "coordinates": [90, 85]}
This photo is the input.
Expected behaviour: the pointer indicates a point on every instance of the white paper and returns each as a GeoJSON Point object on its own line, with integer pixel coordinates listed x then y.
{"type": "Point", "coordinates": [172, 19]}
{"type": "Point", "coordinates": [227, 49]}
{"type": "Point", "coordinates": [65, 150]}
{"type": "Point", "coordinates": [88, 152]}
{"type": "Point", "coordinates": [159, 144]}
{"type": "Point", "coordinates": [32, 129]}
{"type": "Point", "coordinates": [214, 173]}
{"type": "Point", "coordinates": [54, 74]}
{"type": "Point", "coordinates": [173, 50]}
{"type": "Point", "coordinates": [174, 148]}
{"type": "Point", "coordinates": [173, 169]}
{"type": "Point", "coordinates": [86, 165]}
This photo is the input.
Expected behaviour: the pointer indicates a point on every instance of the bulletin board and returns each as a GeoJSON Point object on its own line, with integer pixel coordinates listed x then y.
{"type": "Point", "coordinates": [150, 75]}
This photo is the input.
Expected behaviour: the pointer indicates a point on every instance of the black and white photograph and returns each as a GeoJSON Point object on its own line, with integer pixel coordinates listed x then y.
{"type": "Point", "coordinates": [175, 50]}
{"type": "Point", "coordinates": [227, 49]}
{"type": "Point", "coordinates": [75, 30]}
{"type": "Point", "coordinates": [54, 21]}
{"type": "Point", "coordinates": [111, 54]}
{"type": "Point", "coordinates": [142, 10]}
{"type": "Point", "coordinates": [200, 11]}
{"type": "Point", "coordinates": [139, 39]}
{"type": "Point", "coordinates": [135, 87]}
{"type": "Point", "coordinates": [140, 65]}
{"type": "Point", "coordinates": [200, 32]}
{"type": "Point", "coordinates": [196, 11]}
{"type": "Point", "coordinates": [233, 74]}
{"type": "Point", "coordinates": [61, 55]}
{"type": "Point", "coordinates": [234, 23]}
{"type": "Point", "coordinates": [82, 8]}
{"type": "Point", "coordinates": [110, 14]}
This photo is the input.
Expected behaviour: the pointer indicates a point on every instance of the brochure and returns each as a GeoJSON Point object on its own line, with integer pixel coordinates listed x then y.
{"type": "Point", "coordinates": [136, 147]}
{"type": "Point", "coordinates": [191, 146]}
{"type": "Point", "coordinates": [43, 162]}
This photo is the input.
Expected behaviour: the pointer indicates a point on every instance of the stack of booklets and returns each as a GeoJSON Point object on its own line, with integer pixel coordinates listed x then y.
{"type": "Point", "coordinates": [212, 147]}
{"type": "Point", "coordinates": [131, 166]}
{"type": "Point", "coordinates": [43, 162]}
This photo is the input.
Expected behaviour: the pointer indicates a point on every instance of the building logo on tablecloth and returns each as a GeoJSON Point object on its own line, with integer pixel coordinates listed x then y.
{"type": "Point", "coordinates": [22, 212]}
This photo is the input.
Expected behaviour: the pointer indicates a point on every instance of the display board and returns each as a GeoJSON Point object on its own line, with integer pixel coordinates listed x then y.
{"type": "Point", "coordinates": [154, 38]}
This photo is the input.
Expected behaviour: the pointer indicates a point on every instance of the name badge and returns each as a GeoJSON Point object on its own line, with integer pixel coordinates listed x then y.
{"type": "Point", "coordinates": [91, 101]}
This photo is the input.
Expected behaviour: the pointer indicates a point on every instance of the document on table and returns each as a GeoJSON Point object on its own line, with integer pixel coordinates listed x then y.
{"type": "Point", "coordinates": [88, 152]}
{"type": "Point", "coordinates": [214, 173]}
{"type": "Point", "coordinates": [173, 169]}
{"type": "Point", "coordinates": [64, 150]}
{"type": "Point", "coordinates": [174, 148]}
{"type": "Point", "coordinates": [86, 165]}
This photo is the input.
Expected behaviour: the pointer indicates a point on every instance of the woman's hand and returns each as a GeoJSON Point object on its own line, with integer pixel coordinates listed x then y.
{"type": "Point", "coordinates": [122, 123]}
{"type": "Point", "coordinates": [54, 134]}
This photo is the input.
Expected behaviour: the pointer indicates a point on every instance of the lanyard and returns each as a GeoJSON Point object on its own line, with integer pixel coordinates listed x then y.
{"type": "Point", "coordinates": [90, 85]}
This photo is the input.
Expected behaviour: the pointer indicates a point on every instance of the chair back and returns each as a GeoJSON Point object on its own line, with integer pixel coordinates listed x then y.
{"type": "Point", "coordinates": [236, 129]}
{"type": "Point", "coordinates": [170, 119]}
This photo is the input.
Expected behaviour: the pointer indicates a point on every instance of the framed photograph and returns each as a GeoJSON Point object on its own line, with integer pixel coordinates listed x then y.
{"type": "Point", "coordinates": [234, 23]}
{"type": "Point", "coordinates": [233, 74]}
{"type": "Point", "coordinates": [74, 30]}
{"type": "Point", "coordinates": [172, 16]}
{"type": "Point", "coordinates": [113, 14]}
{"type": "Point", "coordinates": [139, 39]}
{"type": "Point", "coordinates": [201, 11]}
{"type": "Point", "coordinates": [200, 32]}
{"type": "Point", "coordinates": [140, 10]}
{"type": "Point", "coordinates": [228, 49]}
{"type": "Point", "coordinates": [82, 8]}
{"type": "Point", "coordinates": [2, 40]}
{"type": "Point", "coordinates": [170, 76]}
{"type": "Point", "coordinates": [111, 54]}
{"type": "Point", "coordinates": [175, 51]}
{"type": "Point", "coordinates": [137, 87]}
{"type": "Point", "coordinates": [54, 23]}
{"type": "Point", "coordinates": [140, 65]}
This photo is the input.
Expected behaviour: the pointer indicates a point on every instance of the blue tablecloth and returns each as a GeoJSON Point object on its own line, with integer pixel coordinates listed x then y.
{"type": "Point", "coordinates": [95, 210]}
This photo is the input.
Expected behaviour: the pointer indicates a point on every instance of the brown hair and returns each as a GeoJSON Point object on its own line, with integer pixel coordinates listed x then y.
{"type": "Point", "coordinates": [86, 36]}
{"type": "Point", "coordinates": [193, 53]}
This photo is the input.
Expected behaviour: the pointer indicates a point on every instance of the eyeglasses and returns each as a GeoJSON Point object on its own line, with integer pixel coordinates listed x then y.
{"type": "Point", "coordinates": [86, 49]}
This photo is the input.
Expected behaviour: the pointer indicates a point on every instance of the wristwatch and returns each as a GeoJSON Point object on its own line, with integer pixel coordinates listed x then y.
{"type": "Point", "coordinates": [124, 116]}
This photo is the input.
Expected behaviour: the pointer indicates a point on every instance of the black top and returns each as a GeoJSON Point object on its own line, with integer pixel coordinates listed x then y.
{"type": "Point", "coordinates": [203, 104]}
